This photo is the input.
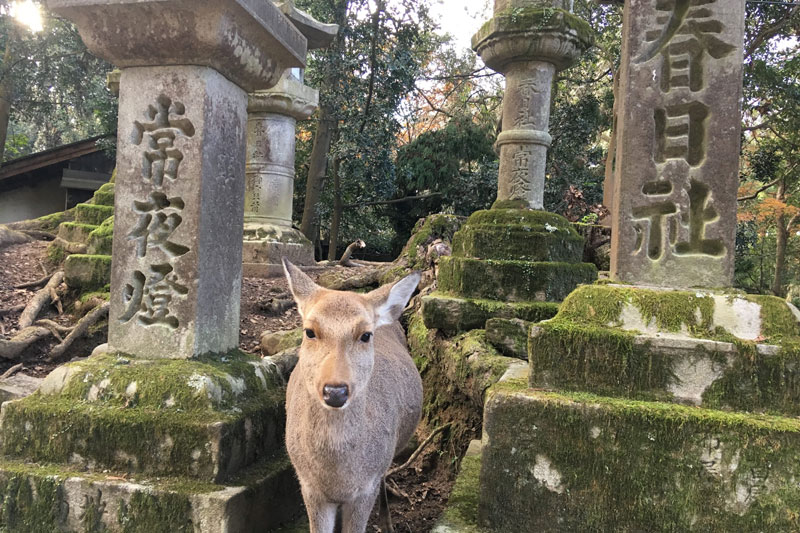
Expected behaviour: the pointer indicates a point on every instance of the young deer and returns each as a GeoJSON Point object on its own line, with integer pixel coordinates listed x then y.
{"type": "Point", "coordinates": [353, 400]}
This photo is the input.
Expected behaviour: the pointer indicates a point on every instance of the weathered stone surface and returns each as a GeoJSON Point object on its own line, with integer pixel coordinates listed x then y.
{"type": "Point", "coordinates": [75, 232]}
{"type": "Point", "coordinates": [319, 34]}
{"type": "Point", "coordinates": [509, 335]}
{"type": "Point", "coordinates": [250, 42]}
{"type": "Point", "coordinates": [18, 386]}
{"type": "Point", "coordinates": [202, 420]}
{"type": "Point", "coordinates": [87, 272]}
{"type": "Point", "coordinates": [579, 462]}
{"type": "Point", "coordinates": [528, 41]}
{"type": "Point", "coordinates": [452, 314]}
{"type": "Point", "coordinates": [677, 160]}
{"type": "Point", "coordinates": [39, 499]}
{"type": "Point", "coordinates": [273, 342]}
{"type": "Point", "coordinates": [176, 277]}
{"type": "Point", "coordinates": [461, 513]}
{"type": "Point", "coordinates": [92, 214]}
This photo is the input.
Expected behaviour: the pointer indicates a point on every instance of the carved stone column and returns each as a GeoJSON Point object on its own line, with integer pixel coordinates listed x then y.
{"type": "Point", "coordinates": [271, 120]}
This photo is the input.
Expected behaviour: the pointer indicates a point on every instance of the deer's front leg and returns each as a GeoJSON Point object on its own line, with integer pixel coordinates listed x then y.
{"type": "Point", "coordinates": [321, 513]}
{"type": "Point", "coordinates": [355, 514]}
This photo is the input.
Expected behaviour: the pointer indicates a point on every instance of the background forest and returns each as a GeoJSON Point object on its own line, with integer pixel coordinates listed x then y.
{"type": "Point", "coordinates": [407, 121]}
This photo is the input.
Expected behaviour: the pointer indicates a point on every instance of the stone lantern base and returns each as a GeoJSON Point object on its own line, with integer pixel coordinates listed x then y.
{"type": "Point", "coordinates": [508, 263]}
{"type": "Point", "coordinates": [117, 444]}
{"type": "Point", "coordinates": [265, 244]}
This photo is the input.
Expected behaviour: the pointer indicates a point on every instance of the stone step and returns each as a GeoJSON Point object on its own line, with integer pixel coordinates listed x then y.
{"type": "Point", "coordinates": [566, 462]}
{"type": "Point", "coordinates": [101, 239]}
{"type": "Point", "coordinates": [205, 420]}
{"type": "Point", "coordinates": [514, 281]}
{"type": "Point", "coordinates": [92, 214]}
{"type": "Point", "coordinates": [517, 234]}
{"type": "Point", "coordinates": [47, 498]}
{"type": "Point", "coordinates": [461, 513]}
{"type": "Point", "coordinates": [452, 314]}
{"type": "Point", "coordinates": [104, 195]}
{"type": "Point", "coordinates": [75, 232]}
{"type": "Point", "coordinates": [703, 372]}
{"type": "Point", "coordinates": [87, 272]}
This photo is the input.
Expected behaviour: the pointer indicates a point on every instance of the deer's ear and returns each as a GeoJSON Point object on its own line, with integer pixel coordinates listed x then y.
{"type": "Point", "coordinates": [302, 287]}
{"type": "Point", "coordinates": [390, 300]}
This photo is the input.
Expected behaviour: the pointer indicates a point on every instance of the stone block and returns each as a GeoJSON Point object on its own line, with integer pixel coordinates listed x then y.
{"type": "Point", "coordinates": [104, 195]}
{"type": "Point", "coordinates": [87, 272]}
{"type": "Point", "coordinates": [249, 42]}
{"type": "Point", "coordinates": [39, 499]}
{"type": "Point", "coordinates": [203, 420]}
{"type": "Point", "coordinates": [273, 342]}
{"type": "Point", "coordinates": [92, 214]}
{"type": "Point", "coordinates": [509, 335]}
{"type": "Point", "coordinates": [176, 278]}
{"type": "Point", "coordinates": [268, 243]}
{"type": "Point", "coordinates": [514, 281]}
{"type": "Point", "coordinates": [517, 234]}
{"type": "Point", "coordinates": [566, 462]}
{"type": "Point", "coordinates": [18, 386]}
{"type": "Point", "coordinates": [452, 314]}
{"type": "Point", "coordinates": [677, 158]}
{"type": "Point", "coordinates": [101, 240]}
{"type": "Point", "coordinates": [75, 232]}
{"type": "Point", "coordinates": [461, 513]}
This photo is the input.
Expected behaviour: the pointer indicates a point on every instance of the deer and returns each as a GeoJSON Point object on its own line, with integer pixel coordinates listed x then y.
{"type": "Point", "coordinates": [353, 400]}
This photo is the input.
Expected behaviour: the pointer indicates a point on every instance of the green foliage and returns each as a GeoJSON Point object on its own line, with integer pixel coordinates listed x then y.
{"type": "Point", "coordinates": [58, 88]}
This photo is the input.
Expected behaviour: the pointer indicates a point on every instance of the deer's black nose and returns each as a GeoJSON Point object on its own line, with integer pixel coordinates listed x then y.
{"type": "Point", "coordinates": [335, 395]}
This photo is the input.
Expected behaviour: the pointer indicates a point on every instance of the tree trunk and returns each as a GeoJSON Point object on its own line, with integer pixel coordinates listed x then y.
{"type": "Point", "coordinates": [6, 84]}
{"type": "Point", "coordinates": [780, 245]}
{"type": "Point", "coordinates": [318, 166]}
{"type": "Point", "coordinates": [336, 218]}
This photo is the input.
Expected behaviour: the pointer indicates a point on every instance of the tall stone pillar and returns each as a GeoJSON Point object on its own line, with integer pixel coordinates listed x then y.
{"type": "Point", "coordinates": [273, 113]}
{"type": "Point", "coordinates": [524, 259]}
{"type": "Point", "coordinates": [172, 403]}
{"type": "Point", "coordinates": [268, 232]}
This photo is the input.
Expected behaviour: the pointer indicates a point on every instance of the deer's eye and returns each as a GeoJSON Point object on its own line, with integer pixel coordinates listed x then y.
{"type": "Point", "coordinates": [366, 336]}
{"type": "Point", "coordinates": [310, 333]}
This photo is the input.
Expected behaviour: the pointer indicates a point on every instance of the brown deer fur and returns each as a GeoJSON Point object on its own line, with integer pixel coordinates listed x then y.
{"type": "Point", "coordinates": [341, 454]}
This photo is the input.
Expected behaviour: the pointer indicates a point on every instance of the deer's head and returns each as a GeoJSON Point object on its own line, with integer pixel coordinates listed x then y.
{"type": "Point", "coordinates": [338, 353]}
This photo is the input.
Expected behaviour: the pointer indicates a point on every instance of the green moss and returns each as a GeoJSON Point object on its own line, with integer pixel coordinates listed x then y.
{"type": "Point", "coordinates": [109, 402]}
{"type": "Point", "coordinates": [536, 19]}
{"type": "Point", "coordinates": [514, 281]}
{"type": "Point", "coordinates": [92, 214]}
{"type": "Point", "coordinates": [87, 272]}
{"type": "Point", "coordinates": [626, 465]}
{"type": "Point", "coordinates": [518, 242]}
{"type": "Point", "coordinates": [75, 231]}
{"type": "Point", "coordinates": [461, 513]}
{"type": "Point", "coordinates": [29, 505]}
{"type": "Point", "coordinates": [777, 320]}
{"type": "Point", "coordinates": [427, 230]}
{"type": "Point", "coordinates": [509, 336]}
{"type": "Point", "coordinates": [104, 195]}
{"type": "Point", "coordinates": [52, 221]}
{"type": "Point", "coordinates": [55, 254]}
{"type": "Point", "coordinates": [510, 204]}
{"type": "Point", "coordinates": [463, 314]}
{"type": "Point", "coordinates": [101, 238]}
{"type": "Point", "coordinates": [146, 513]}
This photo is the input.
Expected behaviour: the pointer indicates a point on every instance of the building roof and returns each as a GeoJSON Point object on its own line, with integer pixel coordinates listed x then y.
{"type": "Point", "coordinates": [31, 162]}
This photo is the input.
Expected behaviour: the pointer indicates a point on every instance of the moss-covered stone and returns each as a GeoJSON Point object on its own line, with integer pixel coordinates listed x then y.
{"type": "Point", "coordinates": [55, 254]}
{"type": "Point", "coordinates": [579, 462]}
{"type": "Point", "coordinates": [427, 230]}
{"type": "Point", "coordinates": [203, 419]}
{"type": "Point", "coordinates": [461, 513]}
{"type": "Point", "coordinates": [93, 214]}
{"type": "Point", "coordinates": [48, 498]}
{"type": "Point", "coordinates": [453, 315]}
{"type": "Point", "coordinates": [518, 243]}
{"type": "Point", "coordinates": [104, 195]}
{"type": "Point", "coordinates": [537, 19]}
{"type": "Point", "coordinates": [87, 272]}
{"type": "Point", "coordinates": [509, 336]}
{"type": "Point", "coordinates": [514, 281]}
{"type": "Point", "coordinates": [101, 238]}
{"type": "Point", "coordinates": [75, 231]}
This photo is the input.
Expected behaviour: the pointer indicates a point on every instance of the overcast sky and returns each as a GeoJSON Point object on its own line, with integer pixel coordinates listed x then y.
{"type": "Point", "coordinates": [461, 18]}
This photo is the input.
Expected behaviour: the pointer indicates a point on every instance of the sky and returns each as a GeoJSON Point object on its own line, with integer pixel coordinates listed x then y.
{"type": "Point", "coordinates": [461, 18]}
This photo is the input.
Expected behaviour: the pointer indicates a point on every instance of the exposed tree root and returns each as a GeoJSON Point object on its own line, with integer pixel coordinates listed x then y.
{"type": "Point", "coordinates": [12, 310]}
{"type": "Point", "coordinates": [418, 451]}
{"type": "Point", "coordinates": [345, 259]}
{"type": "Point", "coordinates": [39, 300]}
{"type": "Point", "coordinates": [38, 283]}
{"type": "Point", "coordinates": [11, 371]}
{"type": "Point", "coordinates": [80, 330]}
{"type": "Point", "coordinates": [13, 347]}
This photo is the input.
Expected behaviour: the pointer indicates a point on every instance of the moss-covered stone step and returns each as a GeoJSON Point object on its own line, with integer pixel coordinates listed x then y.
{"type": "Point", "coordinates": [452, 314]}
{"type": "Point", "coordinates": [200, 419]}
{"type": "Point", "coordinates": [75, 232]}
{"type": "Point", "coordinates": [514, 281]}
{"type": "Point", "coordinates": [101, 238]}
{"type": "Point", "coordinates": [46, 498]}
{"type": "Point", "coordinates": [509, 335]}
{"type": "Point", "coordinates": [564, 462]}
{"type": "Point", "coordinates": [517, 234]}
{"type": "Point", "coordinates": [104, 195]}
{"type": "Point", "coordinates": [93, 214]}
{"type": "Point", "coordinates": [87, 272]}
